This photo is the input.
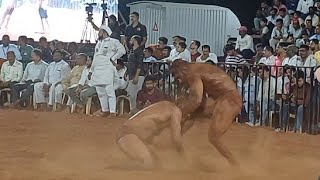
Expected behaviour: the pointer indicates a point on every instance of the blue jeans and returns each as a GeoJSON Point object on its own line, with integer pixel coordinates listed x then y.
{"type": "Point", "coordinates": [266, 109]}
{"type": "Point", "coordinates": [284, 113]}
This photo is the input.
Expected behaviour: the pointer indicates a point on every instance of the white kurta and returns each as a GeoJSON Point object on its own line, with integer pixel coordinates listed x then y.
{"type": "Point", "coordinates": [55, 73]}
{"type": "Point", "coordinates": [11, 73]}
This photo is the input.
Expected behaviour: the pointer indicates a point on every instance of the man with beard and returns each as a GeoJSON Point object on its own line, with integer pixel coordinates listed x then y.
{"type": "Point", "coordinates": [102, 73]}
{"type": "Point", "coordinates": [149, 94]}
{"type": "Point", "coordinates": [209, 84]}
{"type": "Point", "coordinates": [113, 25]}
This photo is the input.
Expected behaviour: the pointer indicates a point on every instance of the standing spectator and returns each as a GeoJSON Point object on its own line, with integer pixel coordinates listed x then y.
{"type": "Point", "coordinates": [292, 5]}
{"type": "Point", "coordinates": [115, 28]}
{"type": "Point", "coordinates": [279, 32]}
{"type": "Point", "coordinates": [207, 56]}
{"type": "Point", "coordinates": [135, 69]}
{"type": "Point", "coordinates": [245, 43]}
{"type": "Point", "coordinates": [157, 49]}
{"type": "Point", "coordinates": [281, 57]}
{"type": "Point", "coordinates": [31, 42]}
{"type": "Point", "coordinates": [273, 17]}
{"type": "Point", "coordinates": [25, 50]}
{"type": "Point", "coordinates": [46, 51]}
{"type": "Point", "coordinates": [317, 34]}
{"type": "Point", "coordinates": [107, 51]}
{"type": "Point", "coordinates": [269, 59]}
{"type": "Point", "coordinates": [278, 5]}
{"type": "Point", "coordinates": [285, 17]}
{"type": "Point", "coordinates": [135, 28]}
{"type": "Point", "coordinates": [149, 94]}
{"type": "Point", "coordinates": [194, 47]}
{"type": "Point", "coordinates": [34, 72]}
{"type": "Point", "coordinates": [313, 16]}
{"type": "Point", "coordinates": [307, 60]}
{"type": "Point", "coordinates": [303, 7]}
{"type": "Point", "coordinates": [264, 33]}
{"type": "Point", "coordinates": [5, 47]}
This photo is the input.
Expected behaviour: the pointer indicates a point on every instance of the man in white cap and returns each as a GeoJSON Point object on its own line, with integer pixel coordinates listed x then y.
{"type": "Point", "coordinates": [102, 73]}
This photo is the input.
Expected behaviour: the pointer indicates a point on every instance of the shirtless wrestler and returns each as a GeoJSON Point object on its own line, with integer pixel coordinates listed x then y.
{"type": "Point", "coordinates": [204, 80]}
{"type": "Point", "coordinates": [141, 128]}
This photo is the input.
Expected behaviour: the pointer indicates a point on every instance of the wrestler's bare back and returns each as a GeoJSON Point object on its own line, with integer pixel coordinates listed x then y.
{"type": "Point", "coordinates": [151, 120]}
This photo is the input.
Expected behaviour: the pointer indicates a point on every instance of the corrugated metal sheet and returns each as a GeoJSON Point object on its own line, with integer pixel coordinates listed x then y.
{"type": "Point", "coordinates": [208, 24]}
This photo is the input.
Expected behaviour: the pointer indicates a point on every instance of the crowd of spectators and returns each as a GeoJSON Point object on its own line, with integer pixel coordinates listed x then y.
{"type": "Point", "coordinates": [274, 68]}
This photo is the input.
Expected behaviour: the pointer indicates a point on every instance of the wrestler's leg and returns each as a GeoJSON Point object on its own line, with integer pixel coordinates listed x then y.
{"type": "Point", "coordinates": [135, 149]}
{"type": "Point", "coordinates": [225, 110]}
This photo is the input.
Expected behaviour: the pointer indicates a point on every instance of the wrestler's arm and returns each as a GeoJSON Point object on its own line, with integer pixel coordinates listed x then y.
{"type": "Point", "coordinates": [195, 96]}
{"type": "Point", "coordinates": [176, 132]}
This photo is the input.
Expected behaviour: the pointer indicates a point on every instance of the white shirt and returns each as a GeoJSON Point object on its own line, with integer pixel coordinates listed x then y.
{"type": "Point", "coordinates": [269, 61]}
{"type": "Point", "coordinates": [122, 83]}
{"type": "Point", "coordinates": [244, 43]}
{"type": "Point", "coordinates": [314, 19]}
{"type": "Point", "coordinates": [295, 32]}
{"type": "Point", "coordinates": [286, 20]}
{"type": "Point", "coordinates": [84, 77]}
{"type": "Point", "coordinates": [281, 85]}
{"type": "Point", "coordinates": [276, 32]}
{"type": "Point", "coordinates": [309, 62]}
{"type": "Point", "coordinates": [10, 47]}
{"type": "Point", "coordinates": [294, 61]}
{"type": "Point", "coordinates": [264, 93]}
{"type": "Point", "coordinates": [44, 4]}
{"type": "Point", "coordinates": [35, 71]}
{"type": "Point", "coordinates": [303, 6]}
{"type": "Point", "coordinates": [149, 59]}
{"type": "Point", "coordinates": [56, 72]}
{"type": "Point", "coordinates": [212, 57]}
{"type": "Point", "coordinates": [185, 55]}
{"type": "Point", "coordinates": [11, 73]}
{"type": "Point", "coordinates": [272, 19]}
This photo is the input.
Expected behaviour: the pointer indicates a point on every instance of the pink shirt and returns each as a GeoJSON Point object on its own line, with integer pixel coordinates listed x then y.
{"type": "Point", "coordinates": [277, 65]}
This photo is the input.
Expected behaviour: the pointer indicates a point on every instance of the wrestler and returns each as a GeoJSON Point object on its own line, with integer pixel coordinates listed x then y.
{"type": "Point", "coordinates": [141, 128]}
{"type": "Point", "coordinates": [207, 82]}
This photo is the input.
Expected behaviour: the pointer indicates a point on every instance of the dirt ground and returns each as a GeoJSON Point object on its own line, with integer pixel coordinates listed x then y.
{"type": "Point", "coordinates": [59, 146]}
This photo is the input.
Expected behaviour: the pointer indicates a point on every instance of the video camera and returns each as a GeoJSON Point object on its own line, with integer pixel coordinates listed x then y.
{"type": "Point", "coordinates": [89, 8]}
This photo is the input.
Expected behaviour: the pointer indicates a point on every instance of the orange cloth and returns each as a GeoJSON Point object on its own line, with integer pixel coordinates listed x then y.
{"type": "Point", "coordinates": [157, 52]}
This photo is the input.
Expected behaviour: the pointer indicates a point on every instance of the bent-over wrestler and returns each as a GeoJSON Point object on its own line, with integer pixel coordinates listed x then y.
{"type": "Point", "coordinates": [207, 82]}
{"type": "Point", "coordinates": [141, 128]}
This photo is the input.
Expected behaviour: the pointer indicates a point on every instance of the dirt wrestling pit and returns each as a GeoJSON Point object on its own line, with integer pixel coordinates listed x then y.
{"type": "Point", "coordinates": [59, 146]}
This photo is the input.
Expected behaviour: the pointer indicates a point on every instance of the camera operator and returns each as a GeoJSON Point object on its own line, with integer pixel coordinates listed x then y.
{"type": "Point", "coordinates": [103, 71]}
{"type": "Point", "coordinates": [113, 25]}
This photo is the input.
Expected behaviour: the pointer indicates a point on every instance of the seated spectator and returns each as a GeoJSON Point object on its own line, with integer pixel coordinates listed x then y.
{"type": "Point", "coordinates": [266, 93]}
{"type": "Point", "coordinates": [278, 5]}
{"type": "Point", "coordinates": [207, 56]}
{"type": "Point", "coordinates": [194, 47]}
{"type": "Point", "coordinates": [123, 81]}
{"type": "Point", "coordinates": [317, 5]}
{"type": "Point", "coordinates": [72, 50]}
{"type": "Point", "coordinates": [292, 5]}
{"type": "Point", "coordinates": [80, 93]}
{"type": "Point", "coordinates": [280, 58]}
{"type": "Point", "coordinates": [313, 16]}
{"type": "Point", "coordinates": [158, 48]}
{"type": "Point", "coordinates": [55, 73]}
{"type": "Point", "coordinates": [311, 30]}
{"type": "Point", "coordinates": [317, 34]}
{"type": "Point", "coordinates": [279, 32]}
{"type": "Point", "coordinates": [244, 43]}
{"type": "Point", "coordinates": [45, 49]}
{"type": "Point", "coordinates": [293, 59]}
{"type": "Point", "coordinates": [148, 55]}
{"type": "Point", "coordinates": [290, 39]}
{"type": "Point", "coordinates": [166, 52]}
{"type": "Point", "coordinates": [297, 17]}
{"type": "Point", "coordinates": [273, 17]}
{"type": "Point", "coordinates": [233, 57]}
{"type": "Point", "coordinates": [264, 33]}
{"type": "Point", "coordinates": [304, 39]}
{"type": "Point", "coordinates": [149, 94]}
{"type": "Point", "coordinates": [181, 53]}
{"type": "Point", "coordinates": [295, 30]}
{"type": "Point", "coordinates": [11, 72]}
{"type": "Point", "coordinates": [6, 47]}
{"type": "Point", "coordinates": [308, 60]}
{"type": "Point", "coordinates": [257, 19]}
{"type": "Point", "coordinates": [297, 100]}
{"type": "Point", "coordinates": [269, 59]}
{"type": "Point", "coordinates": [70, 80]}
{"type": "Point", "coordinates": [259, 54]}
{"type": "Point", "coordinates": [285, 17]}
{"type": "Point", "coordinates": [61, 47]}
{"type": "Point", "coordinates": [34, 72]}
{"type": "Point", "coordinates": [314, 46]}
{"type": "Point", "coordinates": [303, 7]}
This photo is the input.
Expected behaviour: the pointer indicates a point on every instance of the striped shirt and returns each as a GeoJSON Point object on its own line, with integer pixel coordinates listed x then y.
{"type": "Point", "coordinates": [237, 59]}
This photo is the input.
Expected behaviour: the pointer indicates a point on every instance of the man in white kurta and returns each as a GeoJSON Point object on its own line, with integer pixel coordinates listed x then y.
{"type": "Point", "coordinates": [102, 73]}
{"type": "Point", "coordinates": [55, 73]}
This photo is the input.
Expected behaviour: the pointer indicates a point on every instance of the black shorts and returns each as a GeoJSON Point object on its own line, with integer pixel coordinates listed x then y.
{"type": "Point", "coordinates": [9, 11]}
{"type": "Point", "coordinates": [43, 13]}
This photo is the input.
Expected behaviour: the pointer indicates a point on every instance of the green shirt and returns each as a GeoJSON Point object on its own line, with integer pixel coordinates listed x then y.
{"type": "Point", "coordinates": [26, 54]}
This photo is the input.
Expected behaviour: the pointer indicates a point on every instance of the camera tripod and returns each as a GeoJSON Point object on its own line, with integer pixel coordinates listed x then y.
{"type": "Point", "coordinates": [88, 31]}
